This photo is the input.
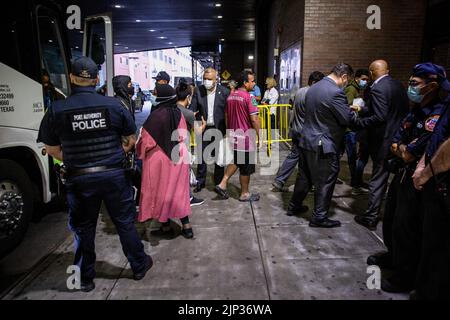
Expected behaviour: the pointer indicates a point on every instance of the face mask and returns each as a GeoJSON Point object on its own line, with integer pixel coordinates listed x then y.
{"type": "Point", "coordinates": [209, 84]}
{"type": "Point", "coordinates": [414, 94]}
{"type": "Point", "coordinates": [362, 83]}
{"type": "Point", "coordinates": [130, 90]}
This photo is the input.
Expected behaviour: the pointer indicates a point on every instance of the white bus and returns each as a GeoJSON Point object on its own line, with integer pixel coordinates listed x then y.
{"type": "Point", "coordinates": [34, 36]}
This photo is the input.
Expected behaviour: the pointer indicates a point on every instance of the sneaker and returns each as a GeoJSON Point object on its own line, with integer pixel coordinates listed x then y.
{"type": "Point", "coordinates": [358, 191]}
{"type": "Point", "coordinates": [196, 202]}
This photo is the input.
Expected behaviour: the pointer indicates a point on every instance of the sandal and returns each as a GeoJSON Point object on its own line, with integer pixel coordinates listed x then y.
{"type": "Point", "coordinates": [253, 197]}
{"type": "Point", "coordinates": [221, 192]}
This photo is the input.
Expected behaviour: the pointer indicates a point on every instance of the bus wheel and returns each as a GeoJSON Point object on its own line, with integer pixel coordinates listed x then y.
{"type": "Point", "coordinates": [16, 204]}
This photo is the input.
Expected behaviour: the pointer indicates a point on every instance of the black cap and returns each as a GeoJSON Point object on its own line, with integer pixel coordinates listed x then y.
{"type": "Point", "coordinates": [162, 75]}
{"type": "Point", "coordinates": [432, 71]}
{"type": "Point", "coordinates": [85, 67]}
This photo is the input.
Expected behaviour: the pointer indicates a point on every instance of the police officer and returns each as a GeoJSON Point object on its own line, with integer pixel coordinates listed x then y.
{"type": "Point", "coordinates": [85, 132]}
{"type": "Point", "coordinates": [433, 276]}
{"type": "Point", "coordinates": [409, 146]}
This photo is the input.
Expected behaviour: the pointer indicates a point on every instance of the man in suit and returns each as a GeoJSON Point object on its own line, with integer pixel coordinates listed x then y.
{"type": "Point", "coordinates": [209, 101]}
{"type": "Point", "coordinates": [327, 117]}
{"type": "Point", "coordinates": [387, 107]}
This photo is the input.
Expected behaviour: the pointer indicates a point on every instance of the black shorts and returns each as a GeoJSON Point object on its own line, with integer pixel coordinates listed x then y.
{"type": "Point", "coordinates": [245, 161]}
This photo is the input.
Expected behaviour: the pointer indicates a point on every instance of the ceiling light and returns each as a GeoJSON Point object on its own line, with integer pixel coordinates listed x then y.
{"type": "Point", "coordinates": [126, 47]}
{"type": "Point", "coordinates": [77, 47]}
{"type": "Point", "coordinates": [219, 17]}
{"type": "Point", "coordinates": [222, 39]}
{"type": "Point", "coordinates": [138, 20]}
{"type": "Point", "coordinates": [251, 57]}
{"type": "Point", "coordinates": [152, 30]}
{"type": "Point", "coordinates": [170, 43]}
{"type": "Point", "coordinates": [116, 44]}
{"type": "Point", "coordinates": [118, 6]}
{"type": "Point", "coordinates": [162, 38]}
{"type": "Point", "coordinates": [218, 5]}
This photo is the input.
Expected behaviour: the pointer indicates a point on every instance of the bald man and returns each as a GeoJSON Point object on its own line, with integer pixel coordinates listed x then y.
{"type": "Point", "coordinates": [387, 106]}
{"type": "Point", "coordinates": [209, 101]}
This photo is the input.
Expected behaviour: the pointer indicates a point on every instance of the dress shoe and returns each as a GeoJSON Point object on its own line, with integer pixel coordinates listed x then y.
{"type": "Point", "coordinates": [87, 286]}
{"type": "Point", "coordinates": [199, 187]}
{"type": "Point", "coordinates": [293, 212]}
{"type": "Point", "coordinates": [396, 285]}
{"type": "Point", "coordinates": [141, 275]}
{"type": "Point", "coordinates": [187, 233]}
{"type": "Point", "coordinates": [278, 186]}
{"type": "Point", "coordinates": [369, 223]}
{"type": "Point", "coordinates": [325, 223]}
{"type": "Point", "coordinates": [383, 260]}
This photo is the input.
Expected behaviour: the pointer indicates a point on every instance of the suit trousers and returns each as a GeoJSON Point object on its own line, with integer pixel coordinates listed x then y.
{"type": "Point", "coordinates": [202, 168]}
{"type": "Point", "coordinates": [289, 163]}
{"type": "Point", "coordinates": [321, 171]}
{"type": "Point", "coordinates": [379, 179]}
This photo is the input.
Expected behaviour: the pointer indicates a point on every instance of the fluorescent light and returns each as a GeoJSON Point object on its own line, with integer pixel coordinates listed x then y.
{"type": "Point", "coordinates": [116, 44]}
{"type": "Point", "coordinates": [162, 38]}
{"type": "Point", "coordinates": [126, 47]}
{"type": "Point", "coordinates": [219, 17]}
{"type": "Point", "coordinates": [251, 57]}
{"type": "Point", "coordinates": [218, 5]}
{"type": "Point", "coordinates": [152, 30]}
{"type": "Point", "coordinates": [138, 20]}
{"type": "Point", "coordinates": [118, 6]}
{"type": "Point", "coordinates": [170, 43]}
{"type": "Point", "coordinates": [222, 39]}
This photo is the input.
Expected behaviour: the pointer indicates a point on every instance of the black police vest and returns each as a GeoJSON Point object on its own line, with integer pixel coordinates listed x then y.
{"type": "Point", "coordinates": [88, 138]}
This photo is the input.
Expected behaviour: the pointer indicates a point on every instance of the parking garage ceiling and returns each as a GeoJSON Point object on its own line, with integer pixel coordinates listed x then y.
{"type": "Point", "coordinates": [141, 25]}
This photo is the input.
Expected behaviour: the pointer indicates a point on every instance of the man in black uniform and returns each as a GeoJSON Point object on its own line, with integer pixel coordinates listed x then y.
{"type": "Point", "coordinates": [432, 177]}
{"type": "Point", "coordinates": [403, 217]}
{"type": "Point", "coordinates": [85, 132]}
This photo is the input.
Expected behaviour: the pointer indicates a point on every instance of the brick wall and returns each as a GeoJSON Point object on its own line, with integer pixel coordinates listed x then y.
{"type": "Point", "coordinates": [335, 30]}
{"type": "Point", "coordinates": [441, 56]}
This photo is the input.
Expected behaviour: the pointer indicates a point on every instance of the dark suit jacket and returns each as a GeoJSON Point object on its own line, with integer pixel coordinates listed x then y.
{"type": "Point", "coordinates": [387, 106]}
{"type": "Point", "coordinates": [200, 103]}
{"type": "Point", "coordinates": [327, 117]}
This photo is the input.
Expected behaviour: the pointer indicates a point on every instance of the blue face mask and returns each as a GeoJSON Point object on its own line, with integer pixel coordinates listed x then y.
{"type": "Point", "coordinates": [362, 84]}
{"type": "Point", "coordinates": [414, 94]}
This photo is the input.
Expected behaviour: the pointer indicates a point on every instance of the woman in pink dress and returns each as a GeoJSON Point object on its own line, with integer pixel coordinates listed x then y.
{"type": "Point", "coordinates": [164, 155]}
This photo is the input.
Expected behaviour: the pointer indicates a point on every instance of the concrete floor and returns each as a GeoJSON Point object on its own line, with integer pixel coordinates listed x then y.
{"type": "Point", "coordinates": [240, 251]}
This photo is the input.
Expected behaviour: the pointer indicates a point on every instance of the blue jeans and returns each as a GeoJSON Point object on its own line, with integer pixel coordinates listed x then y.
{"type": "Point", "coordinates": [85, 194]}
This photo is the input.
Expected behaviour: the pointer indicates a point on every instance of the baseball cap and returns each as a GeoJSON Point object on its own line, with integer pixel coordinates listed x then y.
{"type": "Point", "coordinates": [162, 75]}
{"type": "Point", "coordinates": [85, 67]}
{"type": "Point", "coordinates": [432, 71]}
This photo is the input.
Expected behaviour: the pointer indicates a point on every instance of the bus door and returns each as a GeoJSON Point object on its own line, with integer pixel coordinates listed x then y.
{"type": "Point", "coordinates": [98, 45]}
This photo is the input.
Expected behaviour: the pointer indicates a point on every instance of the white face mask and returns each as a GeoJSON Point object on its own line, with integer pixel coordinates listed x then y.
{"type": "Point", "coordinates": [209, 84]}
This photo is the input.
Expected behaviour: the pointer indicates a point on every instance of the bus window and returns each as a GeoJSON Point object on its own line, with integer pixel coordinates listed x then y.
{"type": "Point", "coordinates": [52, 51]}
{"type": "Point", "coordinates": [97, 50]}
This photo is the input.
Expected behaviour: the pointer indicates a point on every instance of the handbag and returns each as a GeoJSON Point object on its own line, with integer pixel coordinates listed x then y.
{"type": "Point", "coordinates": [225, 153]}
{"type": "Point", "coordinates": [192, 178]}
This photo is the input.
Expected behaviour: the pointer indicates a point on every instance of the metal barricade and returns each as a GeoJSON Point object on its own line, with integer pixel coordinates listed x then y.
{"type": "Point", "coordinates": [274, 121]}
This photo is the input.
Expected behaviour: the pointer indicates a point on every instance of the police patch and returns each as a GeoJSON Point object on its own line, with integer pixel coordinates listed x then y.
{"type": "Point", "coordinates": [89, 120]}
{"type": "Point", "coordinates": [430, 123]}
